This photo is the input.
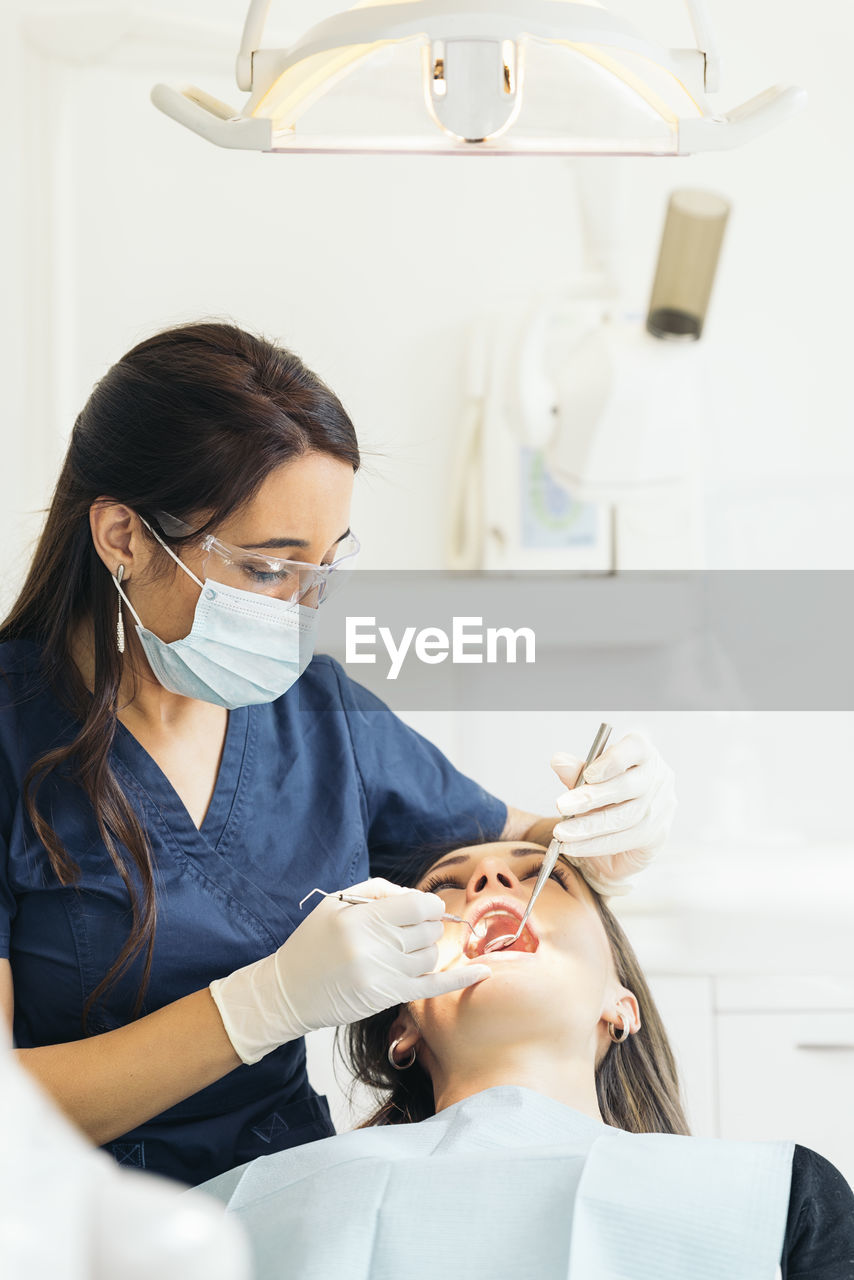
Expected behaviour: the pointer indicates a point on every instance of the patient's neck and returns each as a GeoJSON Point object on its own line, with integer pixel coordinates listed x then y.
{"type": "Point", "coordinates": [565, 1077]}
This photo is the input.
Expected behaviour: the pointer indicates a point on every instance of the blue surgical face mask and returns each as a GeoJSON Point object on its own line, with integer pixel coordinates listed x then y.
{"type": "Point", "coordinates": [243, 648]}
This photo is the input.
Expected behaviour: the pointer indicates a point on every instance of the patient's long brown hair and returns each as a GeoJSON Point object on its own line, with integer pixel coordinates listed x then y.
{"type": "Point", "coordinates": [637, 1083]}
{"type": "Point", "coordinates": [189, 422]}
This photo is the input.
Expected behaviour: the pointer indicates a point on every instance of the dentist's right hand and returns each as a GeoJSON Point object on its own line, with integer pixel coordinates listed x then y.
{"type": "Point", "coordinates": [341, 964]}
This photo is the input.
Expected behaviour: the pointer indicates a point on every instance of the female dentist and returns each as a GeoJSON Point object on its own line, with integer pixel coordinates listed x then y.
{"type": "Point", "coordinates": [176, 777]}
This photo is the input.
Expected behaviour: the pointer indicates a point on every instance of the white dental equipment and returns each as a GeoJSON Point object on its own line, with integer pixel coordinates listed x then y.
{"type": "Point", "coordinates": [583, 430]}
{"type": "Point", "coordinates": [629, 396]}
{"type": "Point", "coordinates": [68, 1211]}
{"type": "Point", "coordinates": [553, 851]}
{"type": "Point", "coordinates": [483, 77]}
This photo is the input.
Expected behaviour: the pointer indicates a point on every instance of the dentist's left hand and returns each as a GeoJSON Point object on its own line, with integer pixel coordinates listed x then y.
{"type": "Point", "coordinates": [619, 815]}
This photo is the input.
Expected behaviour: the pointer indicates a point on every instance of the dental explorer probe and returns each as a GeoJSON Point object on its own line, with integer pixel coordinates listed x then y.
{"type": "Point", "coordinates": [553, 851]}
{"type": "Point", "coordinates": [354, 900]}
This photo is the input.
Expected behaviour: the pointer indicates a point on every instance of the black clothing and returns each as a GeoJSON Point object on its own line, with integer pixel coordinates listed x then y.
{"type": "Point", "coordinates": [819, 1239]}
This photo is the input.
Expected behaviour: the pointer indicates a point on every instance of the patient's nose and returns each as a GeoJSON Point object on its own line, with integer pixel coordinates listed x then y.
{"type": "Point", "coordinates": [491, 875]}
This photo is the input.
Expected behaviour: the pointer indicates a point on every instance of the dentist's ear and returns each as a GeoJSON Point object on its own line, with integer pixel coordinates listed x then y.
{"type": "Point", "coordinates": [119, 537]}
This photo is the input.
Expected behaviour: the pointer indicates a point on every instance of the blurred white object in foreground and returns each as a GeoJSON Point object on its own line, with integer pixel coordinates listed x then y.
{"type": "Point", "coordinates": [67, 1211]}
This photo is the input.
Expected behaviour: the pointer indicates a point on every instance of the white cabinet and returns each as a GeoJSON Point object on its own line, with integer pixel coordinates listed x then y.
{"type": "Point", "coordinates": [789, 1075]}
{"type": "Point", "coordinates": [788, 1072]}
{"type": "Point", "coordinates": [765, 1057]}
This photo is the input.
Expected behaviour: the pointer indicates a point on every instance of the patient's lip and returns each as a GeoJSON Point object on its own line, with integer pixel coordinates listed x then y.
{"type": "Point", "coordinates": [507, 954]}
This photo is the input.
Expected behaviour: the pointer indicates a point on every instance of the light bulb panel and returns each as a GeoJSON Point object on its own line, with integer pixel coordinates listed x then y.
{"type": "Point", "coordinates": [490, 77]}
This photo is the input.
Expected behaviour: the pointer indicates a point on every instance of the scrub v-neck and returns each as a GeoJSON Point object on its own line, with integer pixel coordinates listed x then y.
{"type": "Point", "coordinates": [165, 798]}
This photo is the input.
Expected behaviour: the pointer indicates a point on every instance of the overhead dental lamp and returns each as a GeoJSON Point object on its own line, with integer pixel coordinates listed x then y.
{"type": "Point", "coordinates": [477, 77]}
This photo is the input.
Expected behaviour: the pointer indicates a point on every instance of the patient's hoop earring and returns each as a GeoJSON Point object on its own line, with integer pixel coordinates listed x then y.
{"type": "Point", "coordinates": [120, 625]}
{"type": "Point", "coordinates": [625, 1030]}
{"type": "Point", "coordinates": [400, 1066]}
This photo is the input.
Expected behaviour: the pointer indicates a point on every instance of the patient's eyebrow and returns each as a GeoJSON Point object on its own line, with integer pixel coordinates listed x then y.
{"type": "Point", "coordinates": [449, 862]}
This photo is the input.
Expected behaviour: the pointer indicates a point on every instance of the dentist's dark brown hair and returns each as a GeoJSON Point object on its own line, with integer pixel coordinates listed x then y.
{"type": "Point", "coordinates": [637, 1084]}
{"type": "Point", "coordinates": [190, 421]}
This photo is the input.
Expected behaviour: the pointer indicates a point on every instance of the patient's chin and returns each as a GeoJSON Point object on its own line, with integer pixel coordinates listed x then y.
{"type": "Point", "coordinates": [528, 994]}
{"type": "Point", "coordinates": [509, 1015]}
{"type": "Point", "coordinates": [521, 992]}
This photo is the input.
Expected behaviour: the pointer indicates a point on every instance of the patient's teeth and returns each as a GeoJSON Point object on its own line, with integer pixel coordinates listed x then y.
{"type": "Point", "coordinates": [498, 923]}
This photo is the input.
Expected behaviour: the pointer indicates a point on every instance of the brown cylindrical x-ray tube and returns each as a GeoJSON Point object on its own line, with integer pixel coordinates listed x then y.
{"type": "Point", "coordinates": [687, 261]}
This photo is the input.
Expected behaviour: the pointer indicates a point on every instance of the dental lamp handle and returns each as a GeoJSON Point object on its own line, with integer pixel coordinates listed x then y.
{"type": "Point", "coordinates": [253, 31]}
{"type": "Point", "coordinates": [701, 24]}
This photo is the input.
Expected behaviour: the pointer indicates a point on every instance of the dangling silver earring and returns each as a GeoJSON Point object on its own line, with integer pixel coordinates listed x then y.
{"type": "Point", "coordinates": [400, 1066]}
{"type": "Point", "coordinates": [120, 625]}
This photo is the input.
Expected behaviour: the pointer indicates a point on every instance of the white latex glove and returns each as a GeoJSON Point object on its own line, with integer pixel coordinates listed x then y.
{"type": "Point", "coordinates": [343, 963]}
{"type": "Point", "coordinates": [619, 816]}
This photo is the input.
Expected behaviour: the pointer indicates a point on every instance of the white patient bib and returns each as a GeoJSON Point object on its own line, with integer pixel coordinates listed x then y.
{"type": "Point", "coordinates": [509, 1183]}
{"type": "Point", "coordinates": [657, 1206]}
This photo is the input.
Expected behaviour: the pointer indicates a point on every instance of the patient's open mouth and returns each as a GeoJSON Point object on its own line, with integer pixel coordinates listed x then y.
{"type": "Point", "coordinates": [497, 920]}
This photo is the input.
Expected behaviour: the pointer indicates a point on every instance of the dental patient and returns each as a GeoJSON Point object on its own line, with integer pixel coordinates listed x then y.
{"type": "Point", "coordinates": [531, 1125]}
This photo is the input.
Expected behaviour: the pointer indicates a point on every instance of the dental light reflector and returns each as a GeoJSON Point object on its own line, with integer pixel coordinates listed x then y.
{"type": "Point", "coordinates": [478, 77]}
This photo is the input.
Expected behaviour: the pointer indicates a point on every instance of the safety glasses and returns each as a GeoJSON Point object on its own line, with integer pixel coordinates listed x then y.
{"type": "Point", "coordinates": [290, 580]}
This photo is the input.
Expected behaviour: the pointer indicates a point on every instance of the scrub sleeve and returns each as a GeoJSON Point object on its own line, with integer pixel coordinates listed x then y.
{"type": "Point", "coordinates": [321, 788]}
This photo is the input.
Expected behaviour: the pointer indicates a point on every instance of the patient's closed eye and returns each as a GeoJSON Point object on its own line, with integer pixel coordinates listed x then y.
{"type": "Point", "coordinates": [440, 882]}
{"type": "Point", "coordinates": [433, 886]}
{"type": "Point", "coordinates": [558, 873]}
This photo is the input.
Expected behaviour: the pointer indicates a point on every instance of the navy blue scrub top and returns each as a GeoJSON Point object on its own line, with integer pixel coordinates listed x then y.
{"type": "Point", "coordinates": [323, 787]}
